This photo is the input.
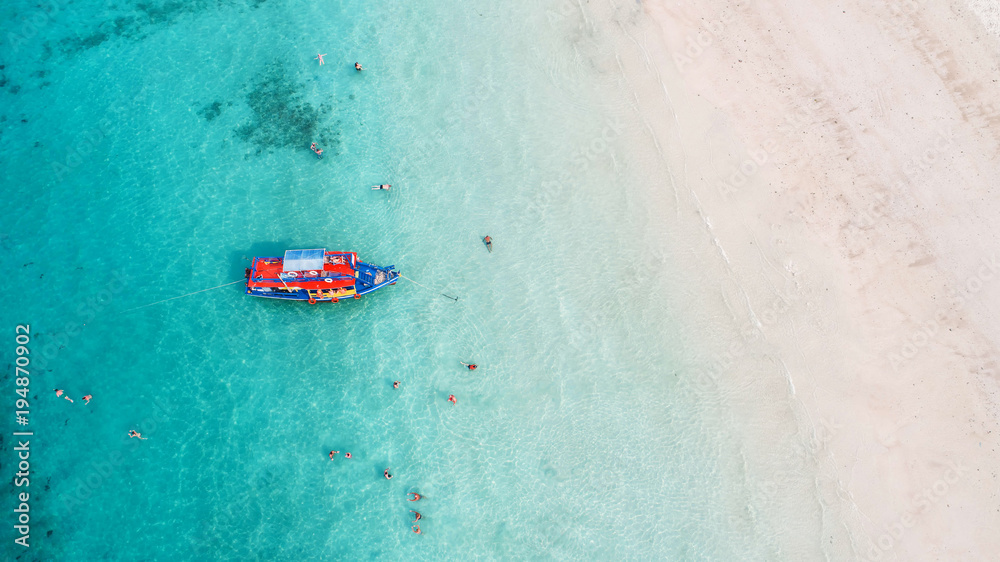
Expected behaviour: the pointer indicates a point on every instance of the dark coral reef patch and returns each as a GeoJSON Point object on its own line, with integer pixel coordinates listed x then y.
{"type": "Point", "coordinates": [280, 118]}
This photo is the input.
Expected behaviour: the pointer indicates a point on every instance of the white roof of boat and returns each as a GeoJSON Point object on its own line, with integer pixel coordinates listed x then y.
{"type": "Point", "coordinates": [303, 260]}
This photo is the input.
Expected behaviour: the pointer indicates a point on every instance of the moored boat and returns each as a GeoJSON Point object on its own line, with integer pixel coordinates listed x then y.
{"type": "Point", "coordinates": [316, 276]}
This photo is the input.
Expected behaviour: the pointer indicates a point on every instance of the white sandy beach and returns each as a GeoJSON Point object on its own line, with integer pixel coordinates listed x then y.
{"type": "Point", "coordinates": [833, 175]}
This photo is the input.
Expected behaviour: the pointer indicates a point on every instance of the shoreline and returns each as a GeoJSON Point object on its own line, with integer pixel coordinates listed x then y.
{"type": "Point", "coordinates": [842, 209]}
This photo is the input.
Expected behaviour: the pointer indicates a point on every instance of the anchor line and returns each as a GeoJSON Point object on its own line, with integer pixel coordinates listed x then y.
{"type": "Point", "coordinates": [428, 288]}
{"type": "Point", "coordinates": [182, 296]}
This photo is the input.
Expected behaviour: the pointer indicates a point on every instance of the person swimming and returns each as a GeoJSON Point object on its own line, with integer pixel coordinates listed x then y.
{"type": "Point", "coordinates": [134, 433]}
{"type": "Point", "coordinates": [384, 186]}
{"type": "Point", "coordinates": [332, 453]}
{"type": "Point", "coordinates": [386, 474]}
{"type": "Point", "coordinates": [489, 243]}
{"type": "Point", "coordinates": [395, 384]}
{"type": "Point", "coordinates": [451, 398]}
{"type": "Point", "coordinates": [320, 57]}
{"type": "Point", "coordinates": [59, 392]}
{"type": "Point", "coordinates": [416, 496]}
{"type": "Point", "coordinates": [357, 66]}
{"type": "Point", "coordinates": [470, 366]}
{"type": "Point", "coordinates": [347, 455]}
{"type": "Point", "coordinates": [415, 514]}
{"type": "Point", "coordinates": [87, 398]}
{"type": "Point", "coordinates": [416, 529]}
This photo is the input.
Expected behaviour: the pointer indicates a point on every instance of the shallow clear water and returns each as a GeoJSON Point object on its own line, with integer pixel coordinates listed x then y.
{"type": "Point", "coordinates": [163, 143]}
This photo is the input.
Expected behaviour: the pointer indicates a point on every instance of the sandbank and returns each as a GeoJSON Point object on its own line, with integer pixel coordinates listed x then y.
{"type": "Point", "coordinates": [834, 166]}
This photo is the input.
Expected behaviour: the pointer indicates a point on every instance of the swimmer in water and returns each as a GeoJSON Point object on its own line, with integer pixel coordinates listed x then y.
{"type": "Point", "coordinates": [86, 399]}
{"type": "Point", "coordinates": [470, 366]}
{"type": "Point", "coordinates": [347, 455]}
{"type": "Point", "coordinates": [386, 474]}
{"type": "Point", "coordinates": [415, 514]}
{"type": "Point", "coordinates": [333, 453]}
{"type": "Point", "coordinates": [357, 66]}
{"type": "Point", "coordinates": [384, 186]}
{"type": "Point", "coordinates": [134, 433]}
{"type": "Point", "coordinates": [395, 384]}
{"type": "Point", "coordinates": [416, 496]}
{"type": "Point", "coordinates": [451, 398]}
{"type": "Point", "coordinates": [59, 392]}
{"type": "Point", "coordinates": [320, 57]}
{"type": "Point", "coordinates": [416, 529]}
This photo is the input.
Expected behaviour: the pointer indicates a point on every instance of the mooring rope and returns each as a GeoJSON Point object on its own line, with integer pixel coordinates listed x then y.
{"type": "Point", "coordinates": [428, 288]}
{"type": "Point", "coordinates": [182, 296]}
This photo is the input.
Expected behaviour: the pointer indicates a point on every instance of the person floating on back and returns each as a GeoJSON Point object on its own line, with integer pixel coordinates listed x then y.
{"type": "Point", "coordinates": [489, 243]}
{"type": "Point", "coordinates": [384, 186]}
{"type": "Point", "coordinates": [320, 57]}
{"type": "Point", "coordinates": [470, 366]}
{"type": "Point", "coordinates": [357, 66]}
{"type": "Point", "coordinates": [59, 392]}
{"type": "Point", "coordinates": [134, 433]}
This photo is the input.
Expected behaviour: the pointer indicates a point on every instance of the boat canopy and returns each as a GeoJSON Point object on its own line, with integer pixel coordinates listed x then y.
{"type": "Point", "coordinates": [303, 260]}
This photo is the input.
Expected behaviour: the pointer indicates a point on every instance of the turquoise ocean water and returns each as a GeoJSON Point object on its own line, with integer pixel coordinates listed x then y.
{"type": "Point", "coordinates": [148, 148]}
